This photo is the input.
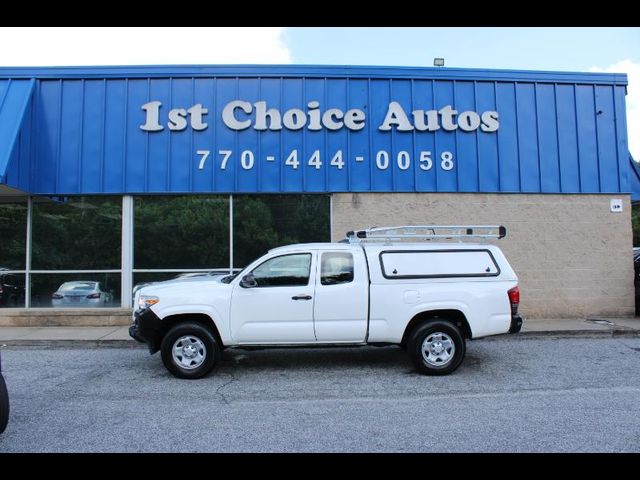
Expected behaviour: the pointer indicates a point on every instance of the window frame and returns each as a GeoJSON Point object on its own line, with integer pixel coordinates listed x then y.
{"type": "Point", "coordinates": [447, 275]}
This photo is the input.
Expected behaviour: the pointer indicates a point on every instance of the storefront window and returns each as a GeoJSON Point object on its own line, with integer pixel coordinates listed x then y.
{"type": "Point", "coordinates": [13, 234]}
{"type": "Point", "coordinates": [11, 289]}
{"type": "Point", "coordinates": [75, 290]}
{"type": "Point", "coordinates": [189, 232]}
{"type": "Point", "coordinates": [77, 233]}
{"type": "Point", "coordinates": [262, 222]}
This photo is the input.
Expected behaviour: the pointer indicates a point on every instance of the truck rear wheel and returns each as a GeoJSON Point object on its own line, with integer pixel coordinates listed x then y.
{"type": "Point", "coordinates": [436, 347]}
{"type": "Point", "coordinates": [189, 350]}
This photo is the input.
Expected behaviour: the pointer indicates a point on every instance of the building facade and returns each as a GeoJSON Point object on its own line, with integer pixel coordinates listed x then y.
{"type": "Point", "coordinates": [118, 176]}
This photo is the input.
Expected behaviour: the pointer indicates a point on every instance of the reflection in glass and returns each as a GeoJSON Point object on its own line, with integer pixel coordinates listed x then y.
{"type": "Point", "coordinates": [284, 271]}
{"type": "Point", "coordinates": [11, 290]}
{"type": "Point", "coordinates": [262, 222]}
{"type": "Point", "coordinates": [336, 268]}
{"type": "Point", "coordinates": [77, 233]}
{"type": "Point", "coordinates": [143, 279]}
{"type": "Point", "coordinates": [75, 290]}
{"type": "Point", "coordinates": [13, 234]}
{"type": "Point", "coordinates": [181, 232]}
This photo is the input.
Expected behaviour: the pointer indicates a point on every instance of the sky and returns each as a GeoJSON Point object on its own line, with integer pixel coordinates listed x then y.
{"type": "Point", "coordinates": [579, 49]}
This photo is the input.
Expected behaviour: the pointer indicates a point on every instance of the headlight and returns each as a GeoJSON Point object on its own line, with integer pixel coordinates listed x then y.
{"type": "Point", "coordinates": [145, 301]}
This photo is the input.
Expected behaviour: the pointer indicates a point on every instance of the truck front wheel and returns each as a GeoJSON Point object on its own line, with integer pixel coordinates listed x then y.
{"type": "Point", "coordinates": [189, 350]}
{"type": "Point", "coordinates": [436, 347]}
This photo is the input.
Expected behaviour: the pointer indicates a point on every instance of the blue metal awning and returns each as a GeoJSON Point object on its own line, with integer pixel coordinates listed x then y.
{"type": "Point", "coordinates": [634, 180]}
{"type": "Point", "coordinates": [14, 100]}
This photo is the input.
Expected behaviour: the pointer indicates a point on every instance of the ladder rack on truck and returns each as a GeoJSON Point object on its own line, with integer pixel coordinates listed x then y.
{"type": "Point", "coordinates": [426, 232]}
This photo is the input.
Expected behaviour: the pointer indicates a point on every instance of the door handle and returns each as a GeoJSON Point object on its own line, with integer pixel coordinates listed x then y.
{"type": "Point", "coordinates": [301, 297]}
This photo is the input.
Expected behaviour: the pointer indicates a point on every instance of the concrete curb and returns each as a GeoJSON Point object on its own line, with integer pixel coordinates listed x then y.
{"type": "Point", "coordinates": [72, 343]}
{"type": "Point", "coordinates": [573, 333]}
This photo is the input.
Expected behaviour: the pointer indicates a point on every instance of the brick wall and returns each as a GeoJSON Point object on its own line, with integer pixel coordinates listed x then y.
{"type": "Point", "coordinates": [573, 256]}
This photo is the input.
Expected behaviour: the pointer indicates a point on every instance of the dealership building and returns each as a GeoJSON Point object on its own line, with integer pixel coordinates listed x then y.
{"type": "Point", "coordinates": [120, 176]}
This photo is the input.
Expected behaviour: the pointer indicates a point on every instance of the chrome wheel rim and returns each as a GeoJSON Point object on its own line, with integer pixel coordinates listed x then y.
{"type": "Point", "coordinates": [189, 352]}
{"type": "Point", "coordinates": [438, 349]}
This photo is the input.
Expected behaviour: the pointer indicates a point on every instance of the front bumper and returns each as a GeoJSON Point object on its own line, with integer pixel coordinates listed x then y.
{"type": "Point", "coordinates": [516, 324]}
{"type": "Point", "coordinates": [147, 328]}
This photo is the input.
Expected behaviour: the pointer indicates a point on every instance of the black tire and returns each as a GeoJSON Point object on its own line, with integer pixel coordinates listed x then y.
{"type": "Point", "coordinates": [4, 405]}
{"type": "Point", "coordinates": [211, 351]}
{"type": "Point", "coordinates": [425, 330]}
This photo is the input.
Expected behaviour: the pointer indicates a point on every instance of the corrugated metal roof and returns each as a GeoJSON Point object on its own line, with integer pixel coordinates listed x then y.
{"type": "Point", "coordinates": [14, 99]}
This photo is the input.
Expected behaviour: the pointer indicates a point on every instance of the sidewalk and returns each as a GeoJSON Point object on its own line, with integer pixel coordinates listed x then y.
{"type": "Point", "coordinates": [119, 336]}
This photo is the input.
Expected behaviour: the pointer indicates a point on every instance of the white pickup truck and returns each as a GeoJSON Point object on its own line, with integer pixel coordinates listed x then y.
{"type": "Point", "coordinates": [375, 287]}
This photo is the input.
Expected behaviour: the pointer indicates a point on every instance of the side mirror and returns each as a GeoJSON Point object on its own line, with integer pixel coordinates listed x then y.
{"type": "Point", "coordinates": [248, 281]}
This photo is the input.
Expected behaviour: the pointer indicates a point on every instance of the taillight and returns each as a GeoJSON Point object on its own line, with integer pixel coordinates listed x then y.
{"type": "Point", "coordinates": [94, 295]}
{"type": "Point", "coordinates": [514, 299]}
{"type": "Point", "coordinates": [57, 296]}
{"type": "Point", "coordinates": [514, 295]}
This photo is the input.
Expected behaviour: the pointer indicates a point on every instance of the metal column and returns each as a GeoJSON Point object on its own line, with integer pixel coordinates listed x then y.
{"type": "Point", "coordinates": [127, 251]}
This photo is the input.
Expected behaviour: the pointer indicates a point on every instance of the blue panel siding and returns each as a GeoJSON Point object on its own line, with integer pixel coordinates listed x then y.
{"type": "Point", "coordinates": [17, 168]}
{"type": "Point", "coordinates": [92, 132]}
{"type": "Point", "coordinates": [509, 161]}
{"type": "Point", "coordinates": [48, 139]}
{"type": "Point", "coordinates": [70, 136]}
{"type": "Point", "coordinates": [606, 137]}
{"type": "Point", "coordinates": [203, 140]}
{"type": "Point", "coordinates": [587, 140]}
{"type": "Point", "coordinates": [488, 169]}
{"type": "Point", "coordinates": [15, 99]}
{"type": "Point", "coordinates": [621, 135]}
{"type": "Point", "coordinates": [158, 150]}
{"type": "Point", "coordinates": [527, 137]}
{"type": "Point", "coordinates": [114, 137]}
{"type": "Point", "coordinates": [224, 178]}
{"type": "Point", "coordinates": [547, 138]}
{"type": "Point", "coordinates": [181, 156]}
{"type": "Point", "coordinates": [423, 162]}
{"type": "Point", "coordinates": [558, 132]}
{"type": "Point", "coordinates": [270, 140]}
{"type": "Point", "coordinates": [467, 143]}
{"type": "Point", "coordinates": [247, 147]}
{"type": "Point", "coordinates": [567, 139]}
{"type": "Point", "coordinates": [634, 179]}
{"type": "Point", "coordinates": [292, 174]}
{"type": "Point", "coordinates": [401, 161]}
{"type": "Point", "coordinates": [445, 141]}
{"type": "Point", "coordinates": [313, 141]}
{"type": "Point", "coordinates": [357, 157]}
{"type": "Point", "coordinates": [26, 145]}
{"type": "Point", "coordinates": [334, 93]}
{"type": "Point", "coordinates": [381, 155]}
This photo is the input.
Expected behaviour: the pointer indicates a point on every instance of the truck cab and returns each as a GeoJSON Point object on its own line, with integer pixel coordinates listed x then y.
{"type": "Point", "coordinates": [428, 297]}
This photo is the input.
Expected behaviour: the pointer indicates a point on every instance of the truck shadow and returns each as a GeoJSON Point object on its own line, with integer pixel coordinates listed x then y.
{"type": "Point", "coordinates": [305, 358]}
{"type": "Point", "coordinates": [391, 359]}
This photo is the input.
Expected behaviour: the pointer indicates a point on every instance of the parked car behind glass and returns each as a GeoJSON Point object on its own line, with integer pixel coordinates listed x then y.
{"type": "Point", "coordinates": [11, 289]}
{"type": "Point", "coordinates": [81, 294]}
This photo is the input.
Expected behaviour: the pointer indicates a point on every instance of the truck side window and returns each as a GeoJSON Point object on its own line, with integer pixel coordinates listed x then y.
{"type": "Point", "coordinates": [284, 271]}
{"type": "Point", "coordinates": [336, 267]}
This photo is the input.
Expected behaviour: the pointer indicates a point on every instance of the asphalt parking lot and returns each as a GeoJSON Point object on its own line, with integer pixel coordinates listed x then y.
{"type": "Point", "coordinates": [512, 394]}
